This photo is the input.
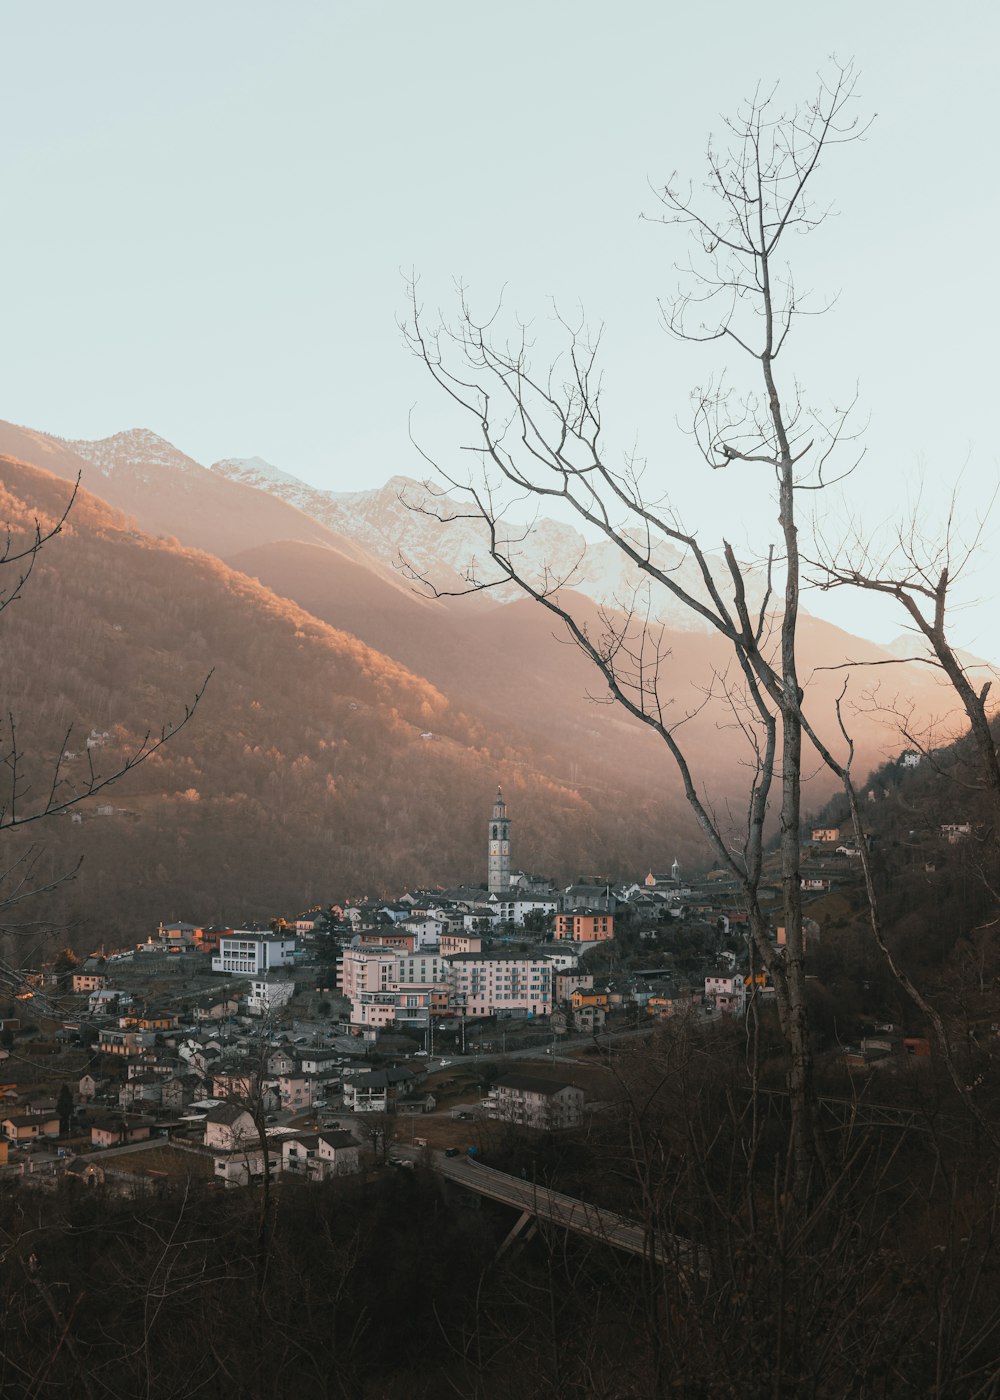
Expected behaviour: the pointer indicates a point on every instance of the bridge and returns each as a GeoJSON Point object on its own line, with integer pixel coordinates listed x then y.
{"type": "Point", "coordinates": [582, 1217]}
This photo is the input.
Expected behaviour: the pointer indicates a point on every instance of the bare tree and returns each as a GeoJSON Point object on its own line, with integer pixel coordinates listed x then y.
{"type": "Point", "coordinates": [540, 436]}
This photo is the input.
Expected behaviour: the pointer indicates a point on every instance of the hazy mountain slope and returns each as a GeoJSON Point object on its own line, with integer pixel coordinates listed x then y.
{"type": "Point", "coordinates": [303, 775]}
{"type": "Point", "coordinates": [509, 665]}
{"type": "Point", "coordinates": [169, 493]}
{"type": "Point", "coordinates": [42, 450]}
{"type": "Point", "coordinates": [238, 504]}
{"type": "Point", "coordinates": [385, 611]}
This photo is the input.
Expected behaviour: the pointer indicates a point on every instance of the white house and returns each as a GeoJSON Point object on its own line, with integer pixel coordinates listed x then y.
{"type": "Point", "coordinates": [229, 1127]}
{"type": "Point", "coordinates": [375, 1091]}
{"type": "Point", "coordinates": [267, 996]}
{"type": "Point", "coordinates": [339, 1152]}
{"type": "Point", "coordinates": [321, 1155]}
{"type": "Point", "coordinates": [425, 931]}
{"type": "Point", "coordinates": [246, 1164]}
{"type": "Point", "coordinates": [318, 1061]}
{"type": "Point", "coordinates": [104, 999]}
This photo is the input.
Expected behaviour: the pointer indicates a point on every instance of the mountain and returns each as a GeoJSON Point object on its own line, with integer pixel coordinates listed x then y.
{"type": "Point", "coordinates": [314, 768]}
{"type": "Point", "coordinates": [239, 504]}
{"type": "Point", "coordinates": [460, 691]}
{"type": "Point", "coordinates": [511, 666]}
{"type": "Point", "coordinates": [167, 492]}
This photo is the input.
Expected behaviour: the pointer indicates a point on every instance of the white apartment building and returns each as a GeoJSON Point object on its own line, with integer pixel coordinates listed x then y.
{"type": "Point", "coordinates": [499, 984]}
{"type": "Point", "coordinates": [509, 908]}
{"type": "Point", "coordinates": [534, 1103]}
{"type": "Point", "coordinates": [266, 996]}
{"type": "Point", "coordinates": [253, 954]}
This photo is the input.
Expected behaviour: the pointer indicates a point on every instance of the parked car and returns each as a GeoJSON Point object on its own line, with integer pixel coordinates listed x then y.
{"type": "Point", "coordinates": [451, 1152]}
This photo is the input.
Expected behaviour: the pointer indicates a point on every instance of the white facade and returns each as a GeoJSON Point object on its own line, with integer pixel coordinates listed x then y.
{"type": "Point", "coordinates": [229, 1127]}
{"type": "Point", "coordinates": [251, 954]}
{"type": "Point", "coordinates": [728, 992]}
{"type": "Point", "coordinates": [534, 1103]}
{"type": "Point", "coordinates": [240, 1168]}
{"type": "Point", "coordinates": [266, 997]}
{"type": "Point", "coordinates": [426, 931]}
{"type": "Point", "coordinates": [511, 910]}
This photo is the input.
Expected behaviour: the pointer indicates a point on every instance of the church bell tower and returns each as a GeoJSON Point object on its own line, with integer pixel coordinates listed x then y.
{"type": "Point", "coordinates": [499, 847]}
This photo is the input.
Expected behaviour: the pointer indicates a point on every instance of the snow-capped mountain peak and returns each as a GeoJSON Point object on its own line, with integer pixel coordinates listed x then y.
{"type": "Point", "coordinates": [255, 471]}
{"type": "Point", "coordinates": [137, 452]}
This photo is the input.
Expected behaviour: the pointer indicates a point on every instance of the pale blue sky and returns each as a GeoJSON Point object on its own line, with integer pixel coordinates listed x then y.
{"type": "Point", "coordinates": [208, 206]}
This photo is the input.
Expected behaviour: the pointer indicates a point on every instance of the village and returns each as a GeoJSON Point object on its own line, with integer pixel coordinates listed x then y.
{"type": "Point", "coordinates": [316, 1046]}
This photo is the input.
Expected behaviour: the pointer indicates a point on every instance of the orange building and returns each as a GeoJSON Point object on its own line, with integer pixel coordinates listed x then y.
{"type": "Point", "coordinates": [587, 927]}
{"type": "Point", "coordinates": [586, 996]}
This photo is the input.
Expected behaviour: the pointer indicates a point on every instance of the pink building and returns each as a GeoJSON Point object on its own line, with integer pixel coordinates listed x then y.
{"type": "Point", "coordinates": [368, 980]}
{"type": "Point", "coordinates": [367, 969]}
{"type": "Point", "coordinates": [494, 984]}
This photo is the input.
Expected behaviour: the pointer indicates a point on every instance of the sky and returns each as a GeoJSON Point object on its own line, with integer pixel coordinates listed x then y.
{"type": "Point", "coordinates": [210, 210]}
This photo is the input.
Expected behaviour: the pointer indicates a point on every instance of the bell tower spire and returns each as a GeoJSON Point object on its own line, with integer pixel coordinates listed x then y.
{"type": "Point", "coordinates": [499, 847]}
